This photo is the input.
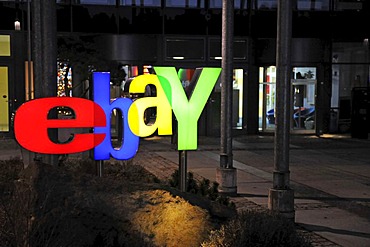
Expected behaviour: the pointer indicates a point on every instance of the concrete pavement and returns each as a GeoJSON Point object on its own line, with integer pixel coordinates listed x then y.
{"type": "Point", "coordinates": [330, 177]}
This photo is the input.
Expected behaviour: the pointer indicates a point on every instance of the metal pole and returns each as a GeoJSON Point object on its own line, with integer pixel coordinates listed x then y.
{"type": "Point", "coordinates": [45, 59]}
{"type": "Point", "coordinates": [226, 174]}
{"type": "Point", "coordinates": [28, 157]}
{"type": "Point", "coordinates": [99, 168]}
{"type": "Point", "coordinates": [29, 54]}
{"type": "Point", "coordinates": [281, 196]}
{"type": "Point", "coordinates": [226, 156]}
{"type": "Point", "coordinates": [45, 48]}
{"type": "Point", "coordinates": [183, 160]}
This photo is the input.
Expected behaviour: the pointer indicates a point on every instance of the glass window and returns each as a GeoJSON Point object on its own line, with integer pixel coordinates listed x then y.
{"type": "Point", "coordinates": [4, 104]}
{"type": "Point", "coordinates": [215, 4]}
{"type": "Point", "coordinates": [303, 93]}
{"type": "Point", "coordinates": [64, 80]}
{"type": "Point", "coordinates": [267, 4]}
{"type": "Point", "coordinates": [184, 49]}
{"type": "Point", "coordinates": [98, 2]}
{"type": "Point", "coordinates": [146, 3]}
{"type": "Point", "coordinates": [313, 4]}
{"type": "Point", "coordinates": [345, 78]}
{"type": "Point", "coordinates": [267, 89]}
{"type": "Point", "coordinates": [351, 52]}
{"type": "Point", "coordinates": [238, 4]}
{"type": "Point", "coordinates": [186, 3]}
{"type": "Point", "coordinates": [4, 45]}
{"type": "Point", "coordinates": [238, 76]}
{"type": "Point", "coordinates": [303, 97]}
{"type": "Point", "coordinates": [240, 49]}
{"type": "Point", "coordinates": [348, 5]}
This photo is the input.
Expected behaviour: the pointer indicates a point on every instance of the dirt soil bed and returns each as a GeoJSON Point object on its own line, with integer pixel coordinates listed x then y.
{"type": "Point", "coordinates": [69, 205]}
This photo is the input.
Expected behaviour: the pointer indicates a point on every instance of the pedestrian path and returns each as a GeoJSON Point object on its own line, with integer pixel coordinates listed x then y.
{"type": "Point", "coordinates": [332, 192]}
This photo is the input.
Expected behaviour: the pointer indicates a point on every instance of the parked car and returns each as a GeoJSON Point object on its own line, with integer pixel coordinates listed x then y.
{"type": "Point", "coordinates": [270, 115]}
{"type": "Point", "coordinates": [309, 123]}
{"type": "Point", "coordinates": [300, 115]}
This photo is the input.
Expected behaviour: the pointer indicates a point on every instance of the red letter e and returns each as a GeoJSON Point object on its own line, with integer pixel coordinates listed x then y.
{"type": "Point", "coordinates": [31, 125]}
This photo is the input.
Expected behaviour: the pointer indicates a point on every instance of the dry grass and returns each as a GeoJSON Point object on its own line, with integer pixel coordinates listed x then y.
{"type": "Point", "coordinates": [170, 221]}
{"type": "Point", "coordinates": [257, 229]}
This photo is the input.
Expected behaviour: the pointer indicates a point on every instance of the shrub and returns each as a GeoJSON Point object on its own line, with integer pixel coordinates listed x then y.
{"type": "Point", "coordinates": [256, 229]}
{"type": "Point", "coordinates": [203, 188]}
{"type": "Point", "coordinates": [45, 205]}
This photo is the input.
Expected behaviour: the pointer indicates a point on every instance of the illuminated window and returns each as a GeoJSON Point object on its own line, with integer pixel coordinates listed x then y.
{"type": "Point", "coordinates": [4, 45]}
{"type": "Point", "coordinates": [186, 4]}
{"type": "Point", "coordinates": [185, 49]}
{"type": "Point", "coordinates": [146, 3]}
{"type": "Point", "coordinates": [64, 80]}
{"type": "Point", "coordinates": [238, 4]}
{"type": "Point", "coordinates": [267, 4]}
{"type": "Point", "coordinates": [240, 49]}
{"type": "Point", "coordinates": [99, 2]}
{"type": "Point", "coordinates": [313, 5]}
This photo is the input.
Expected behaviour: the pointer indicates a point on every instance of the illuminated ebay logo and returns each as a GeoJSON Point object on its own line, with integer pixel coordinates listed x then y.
{"type": "Point", "coordinates": [31, 123]}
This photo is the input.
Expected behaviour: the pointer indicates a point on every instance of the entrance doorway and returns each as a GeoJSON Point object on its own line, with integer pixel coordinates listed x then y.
{"type": "Point", "coordinates": [303, 94]}
{"type": "Point", "coordinates": [213, 108]}
{"type": "Point", "coordinates": [267, 89]}
{"type": "Point", "coordinates": [4, 99]}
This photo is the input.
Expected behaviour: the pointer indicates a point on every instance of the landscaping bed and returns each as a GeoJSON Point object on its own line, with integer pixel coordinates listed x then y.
{"type": "Point", "coordinates": [68, 205]}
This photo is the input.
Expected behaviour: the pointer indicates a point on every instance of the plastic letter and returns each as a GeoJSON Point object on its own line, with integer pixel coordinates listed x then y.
{"type": "Point", "coordinates": [163, 121]}
{"type": "Point", "coordinates": [130, 142]}
{"type": "Point", "coordinates": [31, 125]}
{"type": "Point", "coordinates": [187, 112]}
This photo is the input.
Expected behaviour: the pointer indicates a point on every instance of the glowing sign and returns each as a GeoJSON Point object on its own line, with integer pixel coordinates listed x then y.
{"type": "Point", "coordinates": [31, 125]}
{"type": "Point", "coordinates": [130, 141]}
{"type": "Point", "coordinates": [96, 114]}
{"type": "Point", "coordinates": [187, 112]}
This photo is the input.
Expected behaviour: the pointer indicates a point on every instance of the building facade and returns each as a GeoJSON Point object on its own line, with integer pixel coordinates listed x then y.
{"type": "Point", "coordinates": [330, 55]}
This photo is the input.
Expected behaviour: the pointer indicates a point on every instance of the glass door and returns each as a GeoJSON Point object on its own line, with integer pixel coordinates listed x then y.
{"type": "Point", "coordinates": [5, 51]}
{"type": "Point", "coordinates": [267, 89]}
{"type": "Point", "coordinates": [213, 108]}
{"type": "Point", "coordinates": [4, 99]}
{"type": "Point", "coordinates": [303, 91]}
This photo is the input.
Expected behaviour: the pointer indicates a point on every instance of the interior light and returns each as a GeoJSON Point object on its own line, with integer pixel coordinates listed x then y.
{"type": "Point", "coordinates": [17, 25]}
{"type": "Point", "coordinates": [178, 58]}
{"type": "Point", "coordinates": [366, 42]}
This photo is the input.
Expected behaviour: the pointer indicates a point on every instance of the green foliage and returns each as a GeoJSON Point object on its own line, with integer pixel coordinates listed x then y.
{"type": "Point", "coordinates": [203, 188]}
{"type": "Point", "coordinates": [256, 229]}
{"type": "Point", "coordinates": [9, 170]}
{"type": "Point", "coordinates": [174, 181]}
{"type": "Point", "coordinates": [192, 185]}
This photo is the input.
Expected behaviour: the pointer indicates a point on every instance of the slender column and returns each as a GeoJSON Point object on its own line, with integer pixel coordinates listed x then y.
{"type": "Point", "coordinates": [45, 47]}
{"type": "Point", "coordinates": [29, 96]}
{"type": "Point", "coordinates": [227, 83]}
{"type": "Point", "coordinates": [45, 58]}
{"type": "Point", "coordinates": [27, 156]}
{"type": "Point", "coordinates": [226, 174]}
{"type": "Point", "coordinates": [281, 196]}
{"type": "Point", "coordinates": [99, 168]}
{"type": "Point", "coordinates": [183, 163]}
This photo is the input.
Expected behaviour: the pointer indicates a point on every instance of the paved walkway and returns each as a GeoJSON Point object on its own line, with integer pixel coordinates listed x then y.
{"type": "Point", "coordinates": [330, 177]}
